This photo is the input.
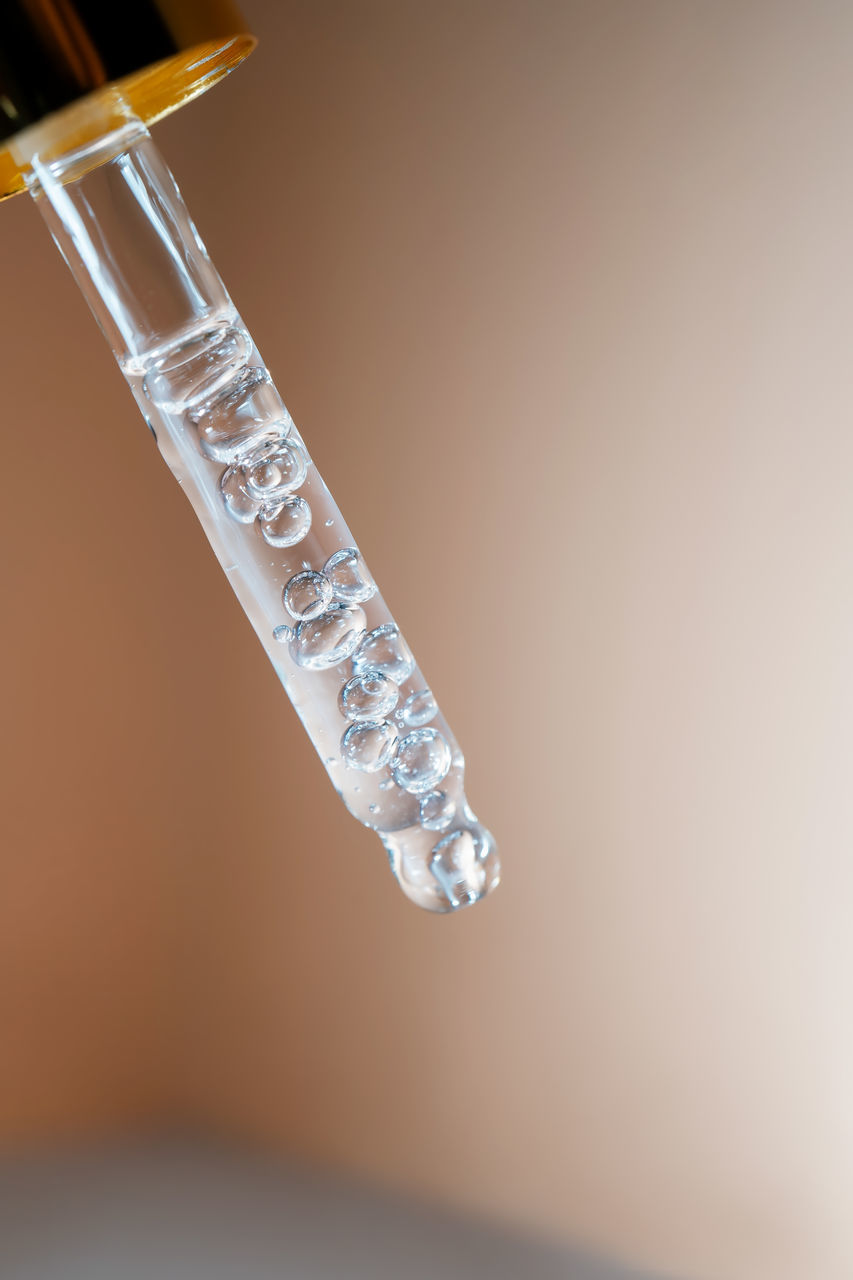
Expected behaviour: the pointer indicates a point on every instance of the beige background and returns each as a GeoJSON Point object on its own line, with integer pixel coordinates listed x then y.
{"type": "Point", "coordinates": [560, 295]}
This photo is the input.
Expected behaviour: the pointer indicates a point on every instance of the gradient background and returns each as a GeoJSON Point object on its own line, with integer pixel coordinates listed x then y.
{"type": "Point", "coordinates": [560, 295]}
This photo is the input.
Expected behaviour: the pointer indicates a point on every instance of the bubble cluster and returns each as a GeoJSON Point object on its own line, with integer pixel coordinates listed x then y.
{"type": "Point", "coordinates": [265, 463]}
{"type": "Point", "coordinates": [261, 482]}
{"type": "Point", "coordinates": [330, 627]}
{"type": "Point", "coordinates": [240, 422]}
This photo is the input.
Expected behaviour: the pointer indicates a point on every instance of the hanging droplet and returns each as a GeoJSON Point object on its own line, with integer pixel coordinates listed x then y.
{"type": "Point", "coordinates": [371, 696]}
{"type": "Point", "coordinates": [422, 760]}
{"type": "Point", "coordinates": [307, 595]}
{"type": "Point", "coordinates": [368, 746]}
{"type": "Point", "coordinates": [437, 810]}
{"type": "Point", "coordinates": [323, 642]}
{"type": "Point", "coordinates": [418, 709]}
{"type": "Point", "coordinates": [285, 525]}
{"type": "Point", "coordinates": [349, 576]}
{"type": "Point", "coordinates": [464, 864]}
{"type": "Point", "coordinates": [384, 649]}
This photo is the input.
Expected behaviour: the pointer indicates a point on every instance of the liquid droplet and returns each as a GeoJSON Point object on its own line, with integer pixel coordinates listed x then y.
{"type": "Point", "coordinates": [371, 696]}
{"type": "Point", "coordinates": [422, 760]}
{"type": "Point", "coordinates": [464, 865]}
{"type": "Point", "coordinates": [329, 524]}
{"type": "Point", "coordinates": [307, 595]}
{"type": "Point", "coordinates": [418, 709]}
{"type": "Point", "coordinates": [323, 642]}
{"type": "Point", "coordinates": [349, 576]}
{"type": "Point", "coordinates": [437, 810]}
{"type": "Point", "coordinates": [282, 634]}
{"type": "Point", "coordinates": [368, 746]}
{"type": "Point", "coordinates": [286, 525]}
{"type": "Point", "coordinates": [385, 650]}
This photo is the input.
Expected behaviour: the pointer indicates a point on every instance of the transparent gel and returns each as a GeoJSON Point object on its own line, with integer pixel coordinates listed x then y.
{"type": "Point", "coordinates": [117, 216]}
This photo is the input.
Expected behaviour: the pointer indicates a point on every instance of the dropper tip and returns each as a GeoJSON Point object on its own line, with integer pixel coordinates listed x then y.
{"type": "Point", "coordinates": [447, 874]}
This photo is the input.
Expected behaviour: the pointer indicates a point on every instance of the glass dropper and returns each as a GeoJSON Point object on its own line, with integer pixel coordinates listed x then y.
{"type": "Point", "coordinates": [115, 212]}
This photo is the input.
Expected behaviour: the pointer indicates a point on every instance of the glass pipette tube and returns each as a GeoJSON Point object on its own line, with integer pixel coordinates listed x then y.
{"type": "Point", "coordinates": [115, 212]}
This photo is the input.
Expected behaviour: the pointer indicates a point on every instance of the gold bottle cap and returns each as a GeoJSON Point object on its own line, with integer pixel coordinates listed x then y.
{"type": "Point", "coordinates": [158, 53]}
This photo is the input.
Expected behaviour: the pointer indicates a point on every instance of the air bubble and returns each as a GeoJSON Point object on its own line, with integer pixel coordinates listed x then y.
{"type": "Point", "coordinates": [237, 502]}
{"type": "Point", "coordinates": [307, 595]}
{"type": "Point", "coordinates": [437, 810]}
{"type": "Point", "coordinates": [282, 634]}
{"type": "Point", "coordinates": [371, 696]}
{"type": "Point", "coordinates": [385, 650]}
{"type": "Point", "coordinates": [323, 642]}
{"type": "Point", "coordinates": [422, 760]}
{"type": "Point", "coordinates": [275, 470]}
{"type": "Point", "coordinates": [368, 746]}
{"type": "Point", "coordinates": [418, 709]}
{"type": "Point", "coordinates": [247, 412]}
{"type": "Point", "coordinates": [196, 371]}
{"type": "Point", "coordinates": [285, 525]}
{"type": "Point", "coordinates": [349, 576]}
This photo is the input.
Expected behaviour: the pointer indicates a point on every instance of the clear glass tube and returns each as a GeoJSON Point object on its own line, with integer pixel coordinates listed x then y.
{"type": "Point", "coordinates": [117, 216]}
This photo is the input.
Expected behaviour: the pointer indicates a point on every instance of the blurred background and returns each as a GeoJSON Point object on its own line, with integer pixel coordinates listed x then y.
{"type": "Point", "coordinates": [559, 293]}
